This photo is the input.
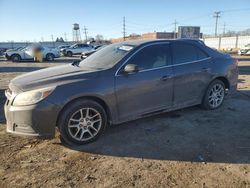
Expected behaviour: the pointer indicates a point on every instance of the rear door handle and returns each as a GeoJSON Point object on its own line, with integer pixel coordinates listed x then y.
{"type": "Point", "coordinates": [166, 77]}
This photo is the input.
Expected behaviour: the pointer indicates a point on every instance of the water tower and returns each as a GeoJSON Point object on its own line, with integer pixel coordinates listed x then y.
{"type": "Point", "coordinates": [76, 32]}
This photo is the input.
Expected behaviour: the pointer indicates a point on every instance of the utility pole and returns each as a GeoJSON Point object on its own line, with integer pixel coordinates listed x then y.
{"type": "Point", "coordinates": [65, 37]}
{"type": "Point", "coordinates": [124, 28]}
{"type": "Point", "coordinates": [175, 27]}
{"type": "Point", "coordinates": [52, 38]}
{"type": "Point", "coordinates": [216, 16]}
{"type": "Point", "coordinates": [85, 33]}
{"type": "Point", "coordinates": [224, 29]}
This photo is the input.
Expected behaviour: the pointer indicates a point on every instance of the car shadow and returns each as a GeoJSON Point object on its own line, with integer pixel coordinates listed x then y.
{"type": "Point", "coordinates": [191, 134]}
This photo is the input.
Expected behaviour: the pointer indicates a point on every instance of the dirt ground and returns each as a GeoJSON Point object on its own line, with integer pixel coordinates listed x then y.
{"type": "Point", "coordinates": [186, 148]}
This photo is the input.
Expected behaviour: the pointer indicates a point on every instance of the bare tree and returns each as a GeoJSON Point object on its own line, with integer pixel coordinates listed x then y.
{"type": "Point", "coordinates": [99, 38]}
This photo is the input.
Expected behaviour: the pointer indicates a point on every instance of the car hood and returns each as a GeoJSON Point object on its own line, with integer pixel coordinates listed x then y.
{"type": "Point", "coordinates": [53, 76]}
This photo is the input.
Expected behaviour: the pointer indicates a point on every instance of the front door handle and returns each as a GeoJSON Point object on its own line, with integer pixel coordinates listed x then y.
{"type": "Point", "coordinates": [166, 77]}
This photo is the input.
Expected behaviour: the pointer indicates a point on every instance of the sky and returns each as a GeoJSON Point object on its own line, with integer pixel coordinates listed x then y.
{"type": "Point", "coordinates": [38, 20]}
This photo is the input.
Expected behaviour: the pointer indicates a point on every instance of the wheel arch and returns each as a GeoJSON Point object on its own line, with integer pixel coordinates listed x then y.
{"type": "Point", "coordinates": [224, 80]}
{"type": "Point", "coordinates": [50, 53]}
{"type": "Point", "coordinates": [16, 54]}
{"type": "Point", "coordinates": [93, 98]}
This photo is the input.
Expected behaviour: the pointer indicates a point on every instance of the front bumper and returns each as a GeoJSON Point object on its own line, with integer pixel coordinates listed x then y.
{"type": "Point", "coordinates": [7, 56]}
{"type": "Point", "coordinates": [33, 120]}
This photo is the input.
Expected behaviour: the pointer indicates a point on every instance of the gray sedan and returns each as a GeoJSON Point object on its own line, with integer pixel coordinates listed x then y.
{"type": "Point", "coordinates": [119, 83]}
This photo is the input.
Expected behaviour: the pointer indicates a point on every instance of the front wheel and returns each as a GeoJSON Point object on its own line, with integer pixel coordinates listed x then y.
{"type": "Point", "coordinates": [214, 95]}
{"type": "Point", "coordinates": [16, 58]}
{"type": "Point", "coordinates": [82, 122]}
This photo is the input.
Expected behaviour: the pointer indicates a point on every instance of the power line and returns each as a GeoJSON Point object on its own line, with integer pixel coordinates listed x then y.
{"type": "Point", "coordinates": [216, 16]}
{"type": "Point", "coordinates": [236, 10]}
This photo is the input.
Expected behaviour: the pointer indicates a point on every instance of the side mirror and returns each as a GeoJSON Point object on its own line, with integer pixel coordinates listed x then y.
{"type": "Point", "coordinates": [131, 68]}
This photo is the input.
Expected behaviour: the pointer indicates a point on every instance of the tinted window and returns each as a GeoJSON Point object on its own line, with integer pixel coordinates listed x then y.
{"type": "Point", "coordinates": [152, 57]}
{"type": "Point", "coordinates": [185, 53]}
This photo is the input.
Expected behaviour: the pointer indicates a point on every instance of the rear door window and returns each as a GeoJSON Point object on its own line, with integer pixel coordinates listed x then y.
{"type": "Point", "coordinates": [184, 53]}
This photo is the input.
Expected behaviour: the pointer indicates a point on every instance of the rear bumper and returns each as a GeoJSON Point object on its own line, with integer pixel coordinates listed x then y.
{"type": "Point", "coordinates": [33, 120]}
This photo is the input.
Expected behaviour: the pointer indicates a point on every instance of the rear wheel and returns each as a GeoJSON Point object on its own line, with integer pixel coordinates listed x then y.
{"type": "Point", "coordinates": [50, 57]}
{"type": "Point", "coordinates": [69, 53]}
{"type": "Point", "coordinates": [16, 58]}
{"type": "Point", "coordinates": [82, 122]}
{"type": "Point", "coordinates": [214, 95]}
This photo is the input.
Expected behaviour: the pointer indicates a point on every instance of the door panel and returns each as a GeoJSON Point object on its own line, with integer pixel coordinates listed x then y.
{"type": "Point", "coordinates": [144, 92]}
{"type": "Point", "coordinates": [151, 88]}
{"type": "Point", "coordinates": [28, 54]}
{"type": "Point", "coordinates": [190, 81]}
{"type": "Point", "coordinates": [191, 73]}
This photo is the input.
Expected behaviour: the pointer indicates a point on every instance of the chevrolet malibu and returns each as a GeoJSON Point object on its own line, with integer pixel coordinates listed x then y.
{"type": "Point", "coordinates": [119, 83]}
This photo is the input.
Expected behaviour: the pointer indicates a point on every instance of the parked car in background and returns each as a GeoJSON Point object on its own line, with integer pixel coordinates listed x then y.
{"type": "Point", "coordinates": [28, 53]}
{"type": "Point", "coordinates": [245, 50]}
{"type": "Point", "coordinates": [2, 51]}
{"type": "Point", "coordinates": [118, 83]}
{"type": "Point", "coordinates": [88, 53]}
{"type": "Point", "coordinates": [77, 49]}
{"type": "Point", "coordinates": [15, 49]}
{"type": "Point", "coordinates": [60, 48]}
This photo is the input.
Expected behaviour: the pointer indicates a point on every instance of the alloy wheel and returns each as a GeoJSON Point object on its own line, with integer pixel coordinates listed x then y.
{"type": "Point", "coordinates": [216, 95]}
{"type": "Point", "coordinates": [84, 124]}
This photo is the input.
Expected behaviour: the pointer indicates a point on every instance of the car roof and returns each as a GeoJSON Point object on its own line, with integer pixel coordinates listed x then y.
{"type": "Point", "coordinates": [139, 42]}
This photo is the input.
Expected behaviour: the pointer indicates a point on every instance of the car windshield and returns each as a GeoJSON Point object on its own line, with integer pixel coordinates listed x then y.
{"type": "Point", "coordinates": [106, 57]}
{"type": "Point", "coordinates": [26, 48]}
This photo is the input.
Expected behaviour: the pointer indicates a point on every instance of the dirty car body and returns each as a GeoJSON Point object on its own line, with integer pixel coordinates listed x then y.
{"type": "Point", "coordinates": [175, 80]}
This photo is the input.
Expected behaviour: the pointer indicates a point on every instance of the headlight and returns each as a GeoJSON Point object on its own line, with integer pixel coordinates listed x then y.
{"type": "Point", "coordinates": [32, 97]}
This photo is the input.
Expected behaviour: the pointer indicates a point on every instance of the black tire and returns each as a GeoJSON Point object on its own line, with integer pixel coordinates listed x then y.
{"type": "Point", "coordinates": [15, 58]}
{"type": "Point", "coordinates": [69, 54]}
{"type": "Point", "coordinates": [205, 103]}
{"type": "Point", "coordinates": [50, 57]}
{"type": "Point", "coordinates": [72, 109]}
